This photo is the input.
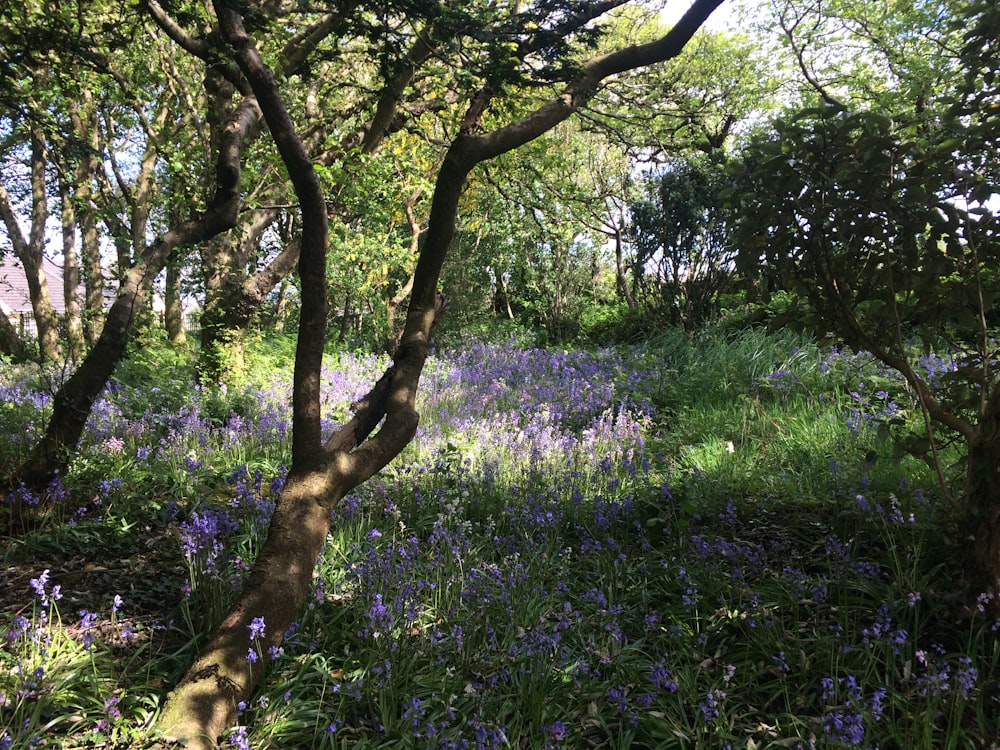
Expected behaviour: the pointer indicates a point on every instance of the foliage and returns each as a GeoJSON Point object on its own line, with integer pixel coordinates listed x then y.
{"type": "Point", "coordinates": [872, 221]}
{"type": "Point", "coordinates": [888, 57]}
{"type": "Point", "coordinates": [977, 99]}
{"type": "Point", "coordinates": [916, 261]}
{"type": "Point", "coordinates": [568, 554]}
{"type": "Point", "coordinates": [683, 262]}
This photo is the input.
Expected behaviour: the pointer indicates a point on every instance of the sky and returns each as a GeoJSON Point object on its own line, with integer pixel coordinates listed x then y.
{"type": "Point", "coordinates": [721, 18]}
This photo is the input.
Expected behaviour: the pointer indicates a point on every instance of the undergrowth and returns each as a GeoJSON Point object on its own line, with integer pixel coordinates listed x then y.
{"type": "Point", "coordinates": [700, 542]}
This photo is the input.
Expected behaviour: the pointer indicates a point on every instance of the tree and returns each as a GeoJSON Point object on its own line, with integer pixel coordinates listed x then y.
{"type": "Point", "coordinates": [890, 56]}
{"type": "Point", "coordinates": [29, 250]}
{"type": "Point", "coordinates": [878, 226]}
{"type": "Point", "coordinates": [558, 233]}
{"type": "Point", "coordinates": [538, 258]}
{"type": "Point", "coordinates": [126, 200]}
{"type": "Point", "coordinates": [874, 206]}
{"type": "Point", "coordinates": [322, 471]}
{"type": "Point", "coordinates": [344, 137]}
{"type": "Point", "coordinates": [74, 399]}
{"type": "Point", "coordinates": [977, 98]}
{"type": "Point", "coordinates": [677, 121]}
{"type": "Point", "coordinates": [680, 235]}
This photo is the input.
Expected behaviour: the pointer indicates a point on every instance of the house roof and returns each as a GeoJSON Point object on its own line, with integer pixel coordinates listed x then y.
{"type": "Point", "coordinates": [14, 297]}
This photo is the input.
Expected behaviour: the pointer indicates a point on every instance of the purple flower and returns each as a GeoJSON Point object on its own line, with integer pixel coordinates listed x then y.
{"type": "Point", "coordinates": [844, 726]}
{"type": "Point", "coordinates": [965, 677]}
{"type": "Point", "coordinates": [415, 713]}
{"type": "Point", "coordinates": [618, 698]}
{"type": "Point", "coordinates": [878, 703]}
{"type": "Point", "coordinates": [710, 706]}
{"type": "Point", "coordinates": [779, 661]}
{"type": "Point", "coordinates": [662, 678]}
{"type": "Point", "coordinates": [557, 729]}
{"type": "Point", "coordinates": [203, 538]}
{"type": "Point", "coordinates": [39, 585]}
{"type": "Point", "coordinates": [87, 619]}
{"type": "Point", "coordinates": [239, 739]}
{"type": "Point", "coordinates": [256, 628]}
{"type": "Point", "coordinates": [111, 705]}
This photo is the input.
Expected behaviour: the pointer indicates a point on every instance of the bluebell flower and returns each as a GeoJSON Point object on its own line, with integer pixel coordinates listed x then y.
{"type": "Point", "coordinates": [256, 628]}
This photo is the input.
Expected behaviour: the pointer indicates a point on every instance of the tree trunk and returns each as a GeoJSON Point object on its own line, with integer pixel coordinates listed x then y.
{"type": "Point", "coordinates": [216, 357]}
{"type": "Point", "coordinates": [11, 343]}
{"type": "Point", "coordinates": [345, 318]}
{"type": "Point", "coordinates": [981, 508]}
{"type": "Point", "coordinates": [278, 314]}
{"type": "Point", "coordinates": [73, 401]}
{"type": "Point", "coordinates": [621, 278]}
{"type": "Point", "coordinates": [981, 517]}
{"type": "Point", "coordinates": [71, 276]}
{"type": "Point", "coordinates": [29, 251]}
{"type": "Point", "coordinates": [204, 704]}
{"type": "Point", "coordinates": [85, 123]}
{"type": "Point", "coordinates": [46, 321]}
{"type": "Point", "coordinates": [393, 305]}
{"type": "Point", "coordinates": [173, 308]}
{"type": "Point", "coordinates": [501, 303]}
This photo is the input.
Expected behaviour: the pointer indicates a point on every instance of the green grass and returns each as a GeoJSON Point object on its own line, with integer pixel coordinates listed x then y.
{"type": "Point", "coordinates": [760, 575]}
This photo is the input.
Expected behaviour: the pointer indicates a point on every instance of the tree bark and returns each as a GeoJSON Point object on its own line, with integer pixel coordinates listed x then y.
{"type": "Point", "coordinates": [214, 359]}
{"type": "Point", "coordinates": [29, 251]}
{"type": "Point", "coordinates": [621, 278]}
{"type": "Point", "coordinates": [84, 122]}
{"type": "Point", "coordinates": [980, 517]}
{"type": "Point", "coordinates": [204, 704]}
{"type": "Point", "coordinates": [173, 308]}
{"type": "Point", "coordinates": [393, 305]}
{"type": "Point", "coordinates": [71, 276]}
{"type": "Point", "coordinates": [11, 343]}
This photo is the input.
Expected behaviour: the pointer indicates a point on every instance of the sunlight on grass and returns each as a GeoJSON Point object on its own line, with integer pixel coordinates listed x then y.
{"type": "Point", "coordinates": [697, 543]}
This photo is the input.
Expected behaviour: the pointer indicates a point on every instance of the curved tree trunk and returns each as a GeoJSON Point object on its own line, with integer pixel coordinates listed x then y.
{"type": "Point", "coordinates": [73, 401]}
{"type": "Point", "coordinates": [205, 703]}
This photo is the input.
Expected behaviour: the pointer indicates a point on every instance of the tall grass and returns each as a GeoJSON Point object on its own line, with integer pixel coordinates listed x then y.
{"type": "Point", "coordinates": [702, 542]}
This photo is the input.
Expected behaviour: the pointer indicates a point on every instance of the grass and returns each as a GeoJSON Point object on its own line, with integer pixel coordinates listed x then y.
{"type": "Point", "coordinates": [697, 543]}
